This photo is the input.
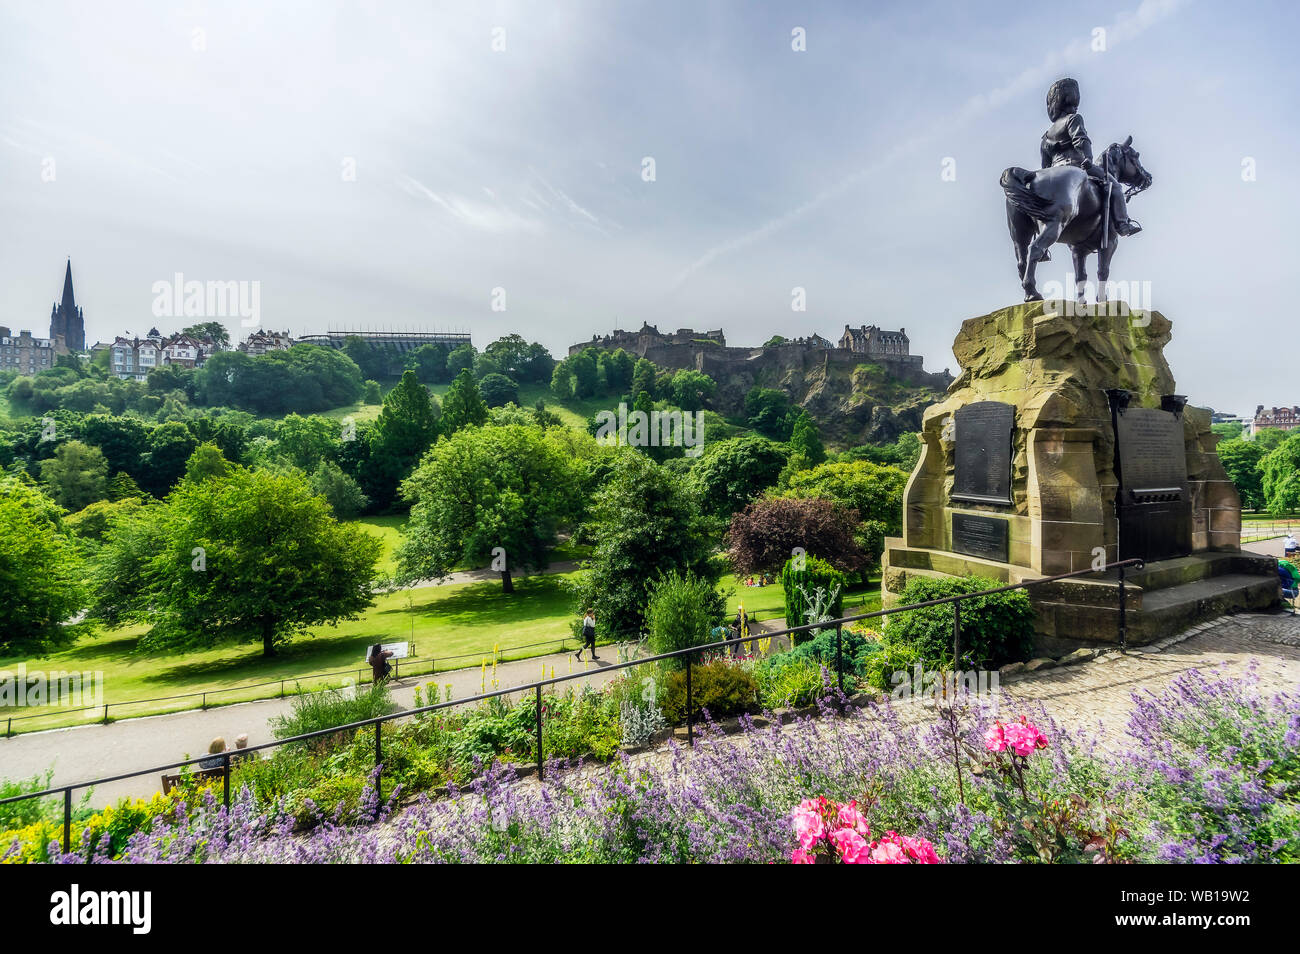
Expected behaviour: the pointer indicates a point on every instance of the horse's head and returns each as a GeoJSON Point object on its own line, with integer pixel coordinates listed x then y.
{"type": "Point", "coordinates": [1121, 160]}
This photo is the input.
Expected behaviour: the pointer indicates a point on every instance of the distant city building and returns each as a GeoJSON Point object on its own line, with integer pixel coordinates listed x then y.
{"type": "Point", "coordinates": [399, 341]}
{"type": "Point", "coordinates": [875, 342]}
{"type": "Point", "coordinates": [25, 354]}
{"type": "Point", "coordinates": [133, 358]}
{"type": "Point", "coordinates": [66, 319]}
{"type": "Point", "coordinates": [1277, 418]}
{"type": "Point", "coordinates": [261, 342]}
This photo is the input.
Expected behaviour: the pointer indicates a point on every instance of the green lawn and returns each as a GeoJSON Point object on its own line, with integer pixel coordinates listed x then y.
{"type": "Point", "coordinates": [389, 532]}
{"type": "Point", "coordinates": [457, 625]}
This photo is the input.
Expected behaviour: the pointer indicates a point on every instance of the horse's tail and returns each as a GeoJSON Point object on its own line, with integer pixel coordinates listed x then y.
{"type": "Point", "coordinates": [1016, 183]}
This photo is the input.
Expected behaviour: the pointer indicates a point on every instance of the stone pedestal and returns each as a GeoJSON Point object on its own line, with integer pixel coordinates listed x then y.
{"type": "Point", "coordinates": [1056, 365]}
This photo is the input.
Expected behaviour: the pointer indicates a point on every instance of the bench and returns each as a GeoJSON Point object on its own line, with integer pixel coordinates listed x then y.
{"type": "Point", "coordinates": [202, 775]}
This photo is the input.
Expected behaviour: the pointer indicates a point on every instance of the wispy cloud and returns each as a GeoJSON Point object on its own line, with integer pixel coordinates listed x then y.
{"type": "Point", "coordinates": [1127, 26]}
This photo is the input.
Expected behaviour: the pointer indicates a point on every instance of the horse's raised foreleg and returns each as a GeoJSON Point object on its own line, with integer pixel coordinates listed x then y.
{"type": "Point", "coordinates": [1050, 233]}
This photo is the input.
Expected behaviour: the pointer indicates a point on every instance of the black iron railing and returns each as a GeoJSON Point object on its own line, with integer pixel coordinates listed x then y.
{"type": "Point", "coordinates": [689, 654]}
{"type": "Point", "coordinates": [408, 666]}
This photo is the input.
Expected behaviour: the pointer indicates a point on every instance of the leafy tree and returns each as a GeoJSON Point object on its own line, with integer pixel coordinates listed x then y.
{"type": "Point", "coordinates": [485, 364]}
{"type": "Point", "coordinates": [40, 571]}
{"type": "Point", "coordinates": [77, 475]}
{"type": "Point", "coordinates": [1242, 459]}
{"type": "Point", "coordinates": [800, 579]}
{"type": "Point", "coordinates": [498, 390]}
{"type": "Point", "coordinates": [404, 430]}
{"type": "Point", "coordinates": [206, 463]}
{"type": "Point", "coordinates": [1281, 476]}
{"type": "Point", "coordinates": [874, 492]}
{"type": "Point", "coordinates": [463, 405]}
{"type": "Point", "coordinates": [306, 441]}
{"type": "Point", "coordinates": [429, 362]}
{"type": "Point", "coordinates": [767, 411]}
{"type": "Point", "coordinates": [691, 390]}
{"type": "Point", "coordinates": [372, 394]}
{"type": "Point", "coordinates": [252, 556]}
{"type": "Point", "coordinates": [484, 488]}
{"type": "Point", "coordinates": [617, 367]}
{"type": "Point", "coordinates": [170, 447]}
{"type": "Point", "coordinates": [805, 441]}
{"type": "Point", "coordinates": [304, 378]}
{"type": "Point", "coordinates": [733, 472]}
{"type": "Point", "coordinates": [215, 330]}
{"type": "Point", "coordinates": [645, 521]}
{"type": "Point", "coordinates": [371, 361]}
{"type": "Point", "coordinates": [343, 494]}
{"type": "Point", "coordinates": [461, 359]}
{"type": "Point", "coordinates": [643, 378]}
{"type": "Point", "coordinates": [123, 487]}
{"type": "Point", "coordinates": [765, 534]}
{"type": "Point", "coordinates": [122, 440]}
{"type": "Point", "coordinates": [586, 374]}
{"type": "Point", "coordinates": [682, 613]}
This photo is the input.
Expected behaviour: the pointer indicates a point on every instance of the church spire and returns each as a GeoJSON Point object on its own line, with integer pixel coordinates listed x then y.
{"type": "Point", "coordinates": [69, 304]}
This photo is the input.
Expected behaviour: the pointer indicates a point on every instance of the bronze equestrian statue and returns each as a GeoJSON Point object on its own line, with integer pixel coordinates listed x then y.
{"type": "Point", "coordinates": [1064, 201]}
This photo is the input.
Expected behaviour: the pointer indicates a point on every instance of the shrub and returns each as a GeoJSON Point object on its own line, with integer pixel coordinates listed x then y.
{"type": "Point", "coordinates": [719, 686]}
{"type": "Point", "coordinates": [313, 711]}
{"type": "Point", "coordinates": [786, 681]}
{"type": "Point", "coordinates": [816, 573]}
{"type": "Point", "coordinates": [994, 629]}
{"type": "Point", "coordinates": [682, 611]}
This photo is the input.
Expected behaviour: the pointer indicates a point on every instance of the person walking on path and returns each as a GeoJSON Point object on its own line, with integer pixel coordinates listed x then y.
{"type": "Point", "coordinates": [588, 636]}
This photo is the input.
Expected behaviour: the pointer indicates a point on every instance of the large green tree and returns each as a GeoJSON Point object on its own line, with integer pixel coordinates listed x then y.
{"type": "Point", "coordinates": [486, 488]}
{"type": "Point", "coordinates": [40, 571]}
{"type": "Point", "coordinates": [733, 472]}
{"type": "Point", "coordinates": [873, 490]}
{"type": "Point", "coordinates": [406, 427]}
{"type": "Point", "coordinates": [1281, 476]}
{"type": "Point", "coordinates": [76, 476]}
{"type": "Point", "coordinates": [645, 521]}
{"type": "Point", "coordinates": [463, 405]}
{"type": "Point", "coordinates": [254, 556]}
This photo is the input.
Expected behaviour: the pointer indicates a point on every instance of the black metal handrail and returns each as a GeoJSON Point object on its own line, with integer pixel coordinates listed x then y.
{"type": "Point", "coordinates": [203, 694]}
{"type": "Point", "coordinates": [536, 687]}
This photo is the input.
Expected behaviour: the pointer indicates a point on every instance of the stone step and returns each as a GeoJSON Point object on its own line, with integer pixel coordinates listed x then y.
{"type": "Point", "coordinates": [1199, 566]}
{"type": "Point", "coordinates": [1205, 591]}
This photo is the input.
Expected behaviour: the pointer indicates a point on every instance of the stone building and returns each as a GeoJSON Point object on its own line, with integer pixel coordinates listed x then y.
{"type": "Point", "coordinates": [260, 342]}
{"type": "Point", "coordinates": [874, 342]}
{"type": "Point", "coordinates": [25, 354]}
{"type": "Point", "coordinates": [1275, 419]}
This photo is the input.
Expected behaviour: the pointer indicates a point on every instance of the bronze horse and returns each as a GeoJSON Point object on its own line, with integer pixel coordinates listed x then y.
{"type": "Point", "coordinates": [1069, 205]}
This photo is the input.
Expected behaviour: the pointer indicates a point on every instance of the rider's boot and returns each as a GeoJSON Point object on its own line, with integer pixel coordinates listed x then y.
{"type": "Point", "coordinates": [1127, 227]}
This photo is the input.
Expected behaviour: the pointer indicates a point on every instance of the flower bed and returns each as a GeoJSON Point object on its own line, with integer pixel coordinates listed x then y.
{"type": "Point", "coordinates": [1211, 777]}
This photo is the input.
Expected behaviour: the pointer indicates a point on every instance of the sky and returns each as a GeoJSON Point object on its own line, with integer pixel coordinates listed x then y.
{"type": "Point", "coordinates": [485, 166]}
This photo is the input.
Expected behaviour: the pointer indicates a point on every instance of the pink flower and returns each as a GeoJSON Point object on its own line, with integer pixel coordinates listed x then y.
{"type": "Point", "coordinates": [920, 851]}
{"type": "Point", "coordinates": [801, 857]}
{"type": "Point", "coordinates": [850, 817]}
{"type": "Point", "coordinates": [852, 847]}
{"type": "Point", "coordinates": [807, 822]}
{"type": "Point", "coordinates": [994, 738]}
{"type": "Point", "coordinates": [1024, 737]}
{"type": "Point", "coordinates": [887, 852]}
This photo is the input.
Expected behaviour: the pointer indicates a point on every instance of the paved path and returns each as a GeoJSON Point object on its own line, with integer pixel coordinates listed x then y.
{"type": "Point", "coordinates": [1100, 692]}
{"type": "Point", "coordinates": [95, 751]}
